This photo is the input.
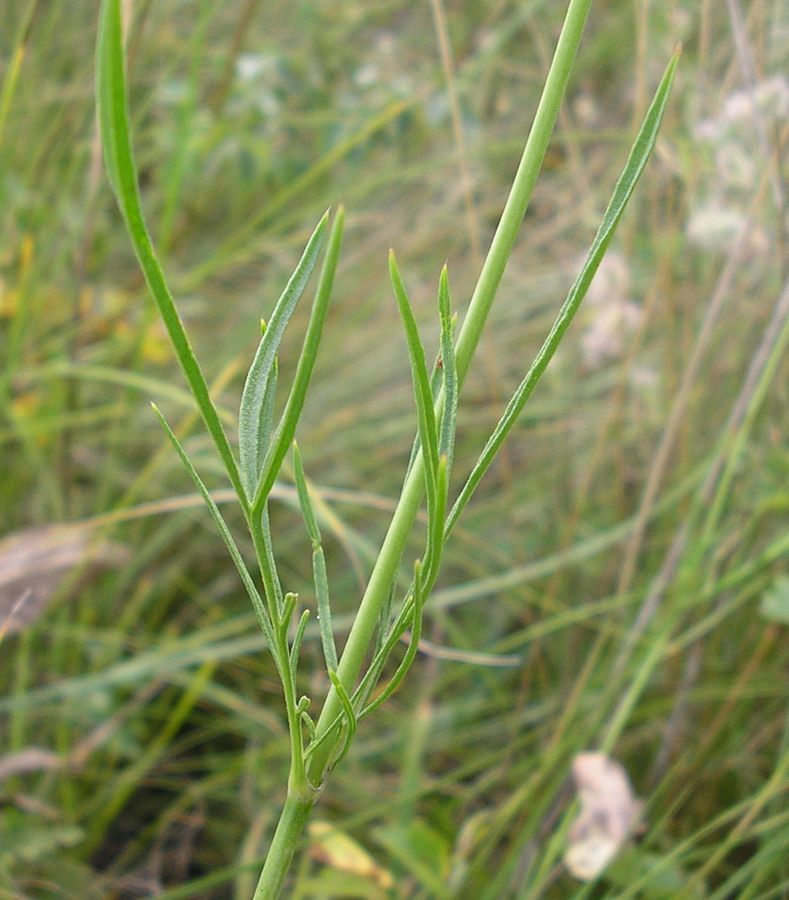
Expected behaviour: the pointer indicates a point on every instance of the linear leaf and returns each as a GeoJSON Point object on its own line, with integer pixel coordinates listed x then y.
{"type": "Point", "coordinates": [246, 578]}
{"type": "Point", "coordinates": [413, 645]}
{"type": "Point", "coordinates": [309, 352]}
{"type": "Point", "coordinates": [318, 563]}
{"type": "Point", "coordinates": [421, 380]}
{"type": "Point", "coordinates": [351, 719]}
{"type": "Point", "coordinates": [295, 647]}
{"type": "Point", "coordinates": [113, 116]}
{"type": "Point", "coordinates": [639, 154]}
{"type": "Point", "coordinates": [446, 442]}
{"type": "Point", "coordinates": [253, 430]}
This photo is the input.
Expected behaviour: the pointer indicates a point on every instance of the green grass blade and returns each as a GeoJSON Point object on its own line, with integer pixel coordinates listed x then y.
{"type": "Point", "coordinates": [421, 380]}
{"type": "Point", "coordinates": [318, 564]}
{"type": "Point", "coordinates": [227, 537]}
{"type": "Point", "coordinates": [639, 154]}
{"type": "Point", "coordinates": [253, 427]}
{"type": "Point", "coordinates": [113, 116]}
{"type": "Point", "coordinates": [309, 351]}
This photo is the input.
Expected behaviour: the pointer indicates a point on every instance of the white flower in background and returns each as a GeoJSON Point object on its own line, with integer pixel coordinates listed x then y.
{"type": "Point", "coordinates": [715, 226]}
{"type": "Point", "coordinates": [606, 336]}
{"type": "Point", "coordinates": [614, 315]}
{"type": "Point", "coordinates": [608, 817]}
{"type": "Point", "coordinates": [612, 281]}
{"type": "Point", "coordinates": [768, 98]}
{"type": "Point", "coordinates": [719, 220]}
{"type": "Point", "coordinates": [772, 97]}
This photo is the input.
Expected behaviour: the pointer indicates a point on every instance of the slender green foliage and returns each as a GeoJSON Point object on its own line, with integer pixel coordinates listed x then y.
{"type": "Point", "coordinates": [318, 563]}
{"type": "Point", "coordinates": [257, 398]}
{"type": "Point", "coordinates": [113, 115]}
{"type": "Point", "coordinates": [421, 380]}
{"type": "Point", "coordinates": [286, 429]}
{"type": "Point", "coordinates": [257, 602]}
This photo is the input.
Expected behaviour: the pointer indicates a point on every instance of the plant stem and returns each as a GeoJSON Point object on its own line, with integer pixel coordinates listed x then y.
{"type": "Point", "coordinates": [291, 824]}
{"type": "Point", "coordinates": [506, 234]}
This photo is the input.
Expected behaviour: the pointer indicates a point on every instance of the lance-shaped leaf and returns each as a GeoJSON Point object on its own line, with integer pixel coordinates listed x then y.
{"type": "Point", "coordinates": [286, 429]}
{"type": "Point", "coordinates": [257, 601]}
{"type": "Point", "coordinates": [421, 381]}
{"type": "Point", "coordinates": [254, 419]}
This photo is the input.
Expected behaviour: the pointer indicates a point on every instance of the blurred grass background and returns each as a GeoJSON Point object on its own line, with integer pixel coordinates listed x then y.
{"type": "Point", "coordinates": [618, 580]}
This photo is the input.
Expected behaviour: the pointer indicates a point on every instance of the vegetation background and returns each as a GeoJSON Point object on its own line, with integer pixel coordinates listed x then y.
{"type": "Point", "coordinates": [617, 583]}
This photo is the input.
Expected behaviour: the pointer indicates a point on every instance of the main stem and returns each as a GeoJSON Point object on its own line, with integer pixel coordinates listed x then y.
{"type": "Point", "coordinates": [296, 810]}
{"type": "Point", "coordinates": [286, 838]}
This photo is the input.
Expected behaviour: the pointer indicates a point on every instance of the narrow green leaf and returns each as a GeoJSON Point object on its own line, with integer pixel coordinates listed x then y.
{"type": "Point", "coordinates": [304, 368]}
{"type": "Point", "coordinates": [324, 608]}
{"type": "Point", "coordinates": [351, 719]}
{"type": "Point", "coordinates": [639, 154]}
{"type": "Point", "coordinates": [295, 647]}
{"type": "Point", "coordinates": [421, 381]}
{"type": "Point", "coordinates": [413, 645]}
{"type": "Point", "coordinates": [318, 563]}
{"type": "Point", "coordinates": [446, 443]}
{"type": "Point", "coordinates": [257, 601]}
{"type": "Point", "coordinates": [268, 564]}
{"type": "Point", "coordinates": [303, 493]}
{"type": "Point", "coordinates": [113, 117]}
{"type": "Point", "coordinates": [254, 425]}
{"type": "Point", "coordinates": [308, 724]}
{"type": "Point", "coordinates": [288, 605]}
{"type": "Point", "coordinates": [435, 533]}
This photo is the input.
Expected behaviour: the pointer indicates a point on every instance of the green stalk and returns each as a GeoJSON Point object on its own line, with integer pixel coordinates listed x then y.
{"type": "Point", "coordinates": [404, 516]}
{"type": "Point", "coordinates": [289, 828]}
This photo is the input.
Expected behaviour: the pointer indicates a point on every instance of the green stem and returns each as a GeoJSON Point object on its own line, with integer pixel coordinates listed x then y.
{"type": "Point", "coordinates": [291, 824]}
{"type": "Point", "coordinates": [403, 519]}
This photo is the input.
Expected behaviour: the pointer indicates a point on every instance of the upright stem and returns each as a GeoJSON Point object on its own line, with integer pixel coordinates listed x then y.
{"type": "Point", "coordinates": [291, 824]}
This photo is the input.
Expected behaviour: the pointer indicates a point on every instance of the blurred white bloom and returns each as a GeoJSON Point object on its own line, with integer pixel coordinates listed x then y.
{"type": "Point", "coordinates": [768, 98]}
{"type": "Point", "coordinates": [772, 97]}
{"type": "Point", "coordinates": [250, 66]}
{"type": "Point", "coordinates": [738, 107]}
{"type": "Point", "coordinates": [715, 227]}
{"type": "Point", "coordinates": [614, 316]}
{"type": "Point", "coordinates": [606, 335]}
{"type": "Point", "coordinates": [367, 75]}
{"type": "Point", "coordinates": [611, 282]}
{"type": "Point", "coordinates": [609, 815]}
{"type": "Point", "coordinates": [736, 166]}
